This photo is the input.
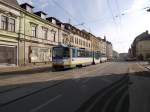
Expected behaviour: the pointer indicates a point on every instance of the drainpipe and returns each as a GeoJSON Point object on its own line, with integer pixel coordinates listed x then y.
{"type": "Point", "coordinates": [93, 63]}
{"type": "Point", "coordinates": [24, 40]}
{"type": "Point", "coordinates": [58, 35]}
{"type": "Point", "coordinates": [19, 35]}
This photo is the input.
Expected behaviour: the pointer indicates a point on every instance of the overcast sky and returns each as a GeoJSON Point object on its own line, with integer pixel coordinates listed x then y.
{"type": "Point", "coordinates": [119, 20]}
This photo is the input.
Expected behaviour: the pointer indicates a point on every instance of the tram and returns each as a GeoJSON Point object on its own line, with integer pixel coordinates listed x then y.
{"type": "Point", "coordinates": [70, 57]}
{"type": "Point", "coordinates": [103, 58]}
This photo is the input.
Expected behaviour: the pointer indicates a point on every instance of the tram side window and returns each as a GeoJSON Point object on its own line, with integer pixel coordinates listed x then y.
{"type": "Point", "coordinates": [81, 53]}
{"type": "Point", "coordinates": [86, 54]}
{"type": "Point", "coordinates": [97, 55]}
{"type": "Point", "coordinates": [66, 52]}
{"type": "Point", "coordinates": [74, 53]}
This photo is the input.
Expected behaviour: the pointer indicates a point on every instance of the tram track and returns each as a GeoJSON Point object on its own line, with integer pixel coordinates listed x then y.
{"type": "Point", "coordinates": [109, 98]}
{"type": "Point", "coordinates": [30, 94]}
{"type": "Point", "coordinates": [11, 89]}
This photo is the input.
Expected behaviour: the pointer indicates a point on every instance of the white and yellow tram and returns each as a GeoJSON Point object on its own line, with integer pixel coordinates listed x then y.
{"type": "Point", "coordinates": [69, 57]}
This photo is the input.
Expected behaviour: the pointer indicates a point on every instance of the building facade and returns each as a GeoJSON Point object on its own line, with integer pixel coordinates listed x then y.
{"type": "Point", "coordinates": [27, 37]}
{"type": "Point", "coordinates": [140, 48]}
{"type": "Point", "coordinates": [102, 46]}
{"type": "Point", "coordinates": [9, 29]}
{"type": "Point", "coordinates": [37, 37]}
{"type": "Point", "coordinates": [115, 55]}
{"type": "Point", "coordinates": [143, 49]}
{"type": "Point", "coordinates": [109, 50]}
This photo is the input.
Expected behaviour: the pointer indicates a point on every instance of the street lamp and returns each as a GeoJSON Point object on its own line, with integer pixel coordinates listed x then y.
{"type": "Point", "coordinates": [148, 10]}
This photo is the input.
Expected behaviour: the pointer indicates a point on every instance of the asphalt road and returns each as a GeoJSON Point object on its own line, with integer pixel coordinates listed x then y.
{"type": "Point", "coordinates": [109, 87]}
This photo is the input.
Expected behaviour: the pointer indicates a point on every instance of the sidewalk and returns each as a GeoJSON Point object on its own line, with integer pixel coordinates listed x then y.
{"type": "Point", "coordinates": [145, 64]}
{"type": "Point", "coordinates": [25, 69]}
{"type": "Point", "coordinates": [148, 67]}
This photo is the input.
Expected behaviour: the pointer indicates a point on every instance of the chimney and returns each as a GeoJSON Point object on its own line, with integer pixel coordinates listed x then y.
{"type": "Point", "coordinates": [105, 38]}
{"type": "Point", "coordinates": [51, 19]}
{"type": "Point", "coordinates": [27, 7]}
{"type": "Point", "coordinates": [41, 14]}
{"type": "Point", "coordinates": [56, 21]}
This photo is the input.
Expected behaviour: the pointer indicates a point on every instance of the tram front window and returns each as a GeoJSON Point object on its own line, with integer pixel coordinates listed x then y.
{"type": "Point", "coordinates": [61, 53]}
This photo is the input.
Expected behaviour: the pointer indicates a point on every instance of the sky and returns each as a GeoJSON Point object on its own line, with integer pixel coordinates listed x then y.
{"type": "Point", "coordinates": [119, 20]}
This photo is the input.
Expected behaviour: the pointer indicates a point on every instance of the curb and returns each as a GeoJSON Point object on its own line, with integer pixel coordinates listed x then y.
{"type": "Point", "coordinates": [147, 68]}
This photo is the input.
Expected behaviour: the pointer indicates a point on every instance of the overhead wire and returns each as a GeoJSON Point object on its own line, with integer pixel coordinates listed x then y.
{"type": "Point", "coordinates": [69, 14]}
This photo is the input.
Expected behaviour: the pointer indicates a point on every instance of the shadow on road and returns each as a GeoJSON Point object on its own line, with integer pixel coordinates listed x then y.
{"type": "Point", "coordinates": [109, 93]}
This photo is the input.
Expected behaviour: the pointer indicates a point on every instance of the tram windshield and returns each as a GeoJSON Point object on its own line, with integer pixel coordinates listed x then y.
{"type": "Point", "coordinates": [61, 52]}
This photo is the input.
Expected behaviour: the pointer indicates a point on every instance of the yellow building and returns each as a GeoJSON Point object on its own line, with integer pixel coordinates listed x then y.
{"type": "Point", "coordinates": [143, 49]}
{"type": "Point", "coordinates": [78, 38]}
{"type": "Point", "coordinates": [109, 50]}
{"type": "Point", "coordinates": [9, 29]}
{"type": "Point", "coordinates": [140, 48]}
{"type": "Point", "coordinates": [102, 46]}
{"type": "Point", "coordinates": [37, 36]}
{"type": "Point", "coordinates": [94, 43]}
{"type": "Point", "coordinates": [27, 37]}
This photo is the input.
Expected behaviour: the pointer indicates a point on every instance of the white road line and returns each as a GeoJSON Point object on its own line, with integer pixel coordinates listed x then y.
{"type": "Point", "coordinates": [46, 103]}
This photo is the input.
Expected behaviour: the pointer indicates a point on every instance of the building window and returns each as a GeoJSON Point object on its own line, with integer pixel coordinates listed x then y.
{"type": "Point", "coordinates": [53, 35]}
{"type": "Point", "coordinates": [7, 23]}
{"type": "Point", "coordinates": [45, 32]}
{"type": "Point", "coordinates": [77, 41]}
{"type": "Point", "coordinates": [72, 39]}
{"type": "Point", "coordinates": [86, 44]}
{"type": "Point", "coordinates": [11, 25]}
{"type": "Point", "coordinates": [4, 22]}
{"type": "Point", "coordinates": [34, 29]}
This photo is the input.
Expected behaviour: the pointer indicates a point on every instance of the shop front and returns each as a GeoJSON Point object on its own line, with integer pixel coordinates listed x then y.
{"type": "Point", "coordinates": [40, 55]}
{"type": "Point", "coordinates": [8, 55]}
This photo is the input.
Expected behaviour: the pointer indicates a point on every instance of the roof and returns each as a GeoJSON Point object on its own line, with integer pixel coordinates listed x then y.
{"type": "Point", "coordinates": [108, 42]}
{"type": "Point", "coordinates": [58, 22]}
{"type": "Point", "coordinates": [143, 36]}
{"type": "Point", "coordinates": [39, 12]}
{"type": "Point", "coordinates": [11, 3]}
{"type": "Point", "coordinates": [24, 4]}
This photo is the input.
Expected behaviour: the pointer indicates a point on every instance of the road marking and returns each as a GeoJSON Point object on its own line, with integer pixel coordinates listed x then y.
{"type": "Point", "coordinates": [46, 103]}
